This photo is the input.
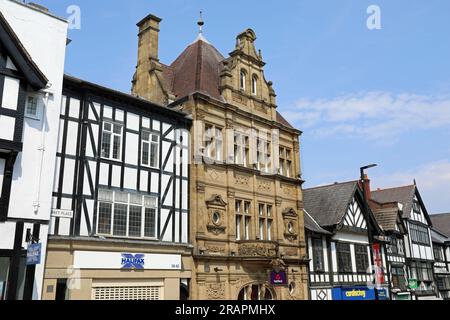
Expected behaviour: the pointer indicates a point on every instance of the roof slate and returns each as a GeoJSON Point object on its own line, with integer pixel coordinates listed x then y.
{"type": "Point", "coordinates": [441, 222]}
{"type": "Point", "coordinates": [403, 195]}
{"type": "Point", "coordinates": [328, 204]}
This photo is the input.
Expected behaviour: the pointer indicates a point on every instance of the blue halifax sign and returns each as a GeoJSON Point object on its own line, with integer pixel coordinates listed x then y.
{"type": "Point", "coordinates": [130, 261]}
{"type": "Point", "coordinates": [34, 254]}
{"type": "Point", "coordinates": [358, 293]}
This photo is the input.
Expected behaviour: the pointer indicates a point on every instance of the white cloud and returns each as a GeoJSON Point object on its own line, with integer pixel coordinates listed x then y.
{"type": "Point", "coordinates": [433, 181]}
{"type": "Point", "coordinates": [373, 115]}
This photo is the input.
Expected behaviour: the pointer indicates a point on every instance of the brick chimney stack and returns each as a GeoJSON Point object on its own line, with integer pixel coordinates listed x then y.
{"type": "Point", "coordinates": [367, 190]}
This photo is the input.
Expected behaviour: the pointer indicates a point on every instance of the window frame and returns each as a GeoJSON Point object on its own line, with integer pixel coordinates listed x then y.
{"type": "Point", "coordinates": [35, 116]}
{"type": "Point", "coordinates": [344, 258]}
{"type": "Point", "coordinates": [243, 219]}
{"type": "Point", "coordinates": [419, 234]}
{"type": "Point", "coordinates": [318, 255]}
{"type": "Point", "coordinates": [114, 202]}
{"type": "Point", "coordinates": [361, 259]}
{"type": "Point", "coordinates": [242, 80]}
{"type": "Point", "coordinates": [254, 85]}
{"type": "Point", "coordinates": [150, 143]}
{"type": "Point", "coordinates": [111, 140]}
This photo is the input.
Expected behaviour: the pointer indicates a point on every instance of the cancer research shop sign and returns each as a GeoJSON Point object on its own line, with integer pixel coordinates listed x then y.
{"type": "Point", "coordinates": [126, 261]}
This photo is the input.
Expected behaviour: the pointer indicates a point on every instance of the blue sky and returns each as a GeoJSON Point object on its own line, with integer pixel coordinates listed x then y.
{"type": "Point", "coordinates": [360, 96]}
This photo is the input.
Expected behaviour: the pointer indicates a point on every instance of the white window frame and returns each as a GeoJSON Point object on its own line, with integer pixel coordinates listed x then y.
{"type": "Point", "coordinates": [242, 80]}
{"type": "Point", "coordinates": [254, 85]}
{"type": "Point", "coordinates": [115, 201]}
{"type": "Point", "coordinates": [241, 149]}
{"type": "Point", "coordinates": [111, 140]}
{"type": "Point", "coordinates": [150, 143]}
{"type": "Point", "coordinates": [35, 116]}
{"type": "Point", "coordinates": [214, 142]}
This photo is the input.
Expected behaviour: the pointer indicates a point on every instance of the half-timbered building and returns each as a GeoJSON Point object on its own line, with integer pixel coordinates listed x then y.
{"type": "Point", "coordinates": [389, 219]}
{"type": "Point", "coordinates": [120, 229]}
{"type": "Point", "coordinates": [417, 240]}
{"type": "Point", "coordinates": [342, 245]}
{"type": "Point", "coordinates": [32, 51]}
{"type": "Point", "coordinates": [440, 235]}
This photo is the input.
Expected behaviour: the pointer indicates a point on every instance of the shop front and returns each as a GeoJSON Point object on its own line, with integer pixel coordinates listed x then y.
{"type": "Point", "coordinates": [90, 274]}
{"type": "Point", "coordinates": [359, 293]}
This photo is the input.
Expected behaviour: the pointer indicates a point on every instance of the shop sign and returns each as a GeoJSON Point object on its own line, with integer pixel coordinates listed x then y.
{"type": "Point", "coordinates": [353, 293]}
{"type": "Point", "coordinates": [278, 278]}
{"type": "Point", "coordinates": [413, 284]}
{"type": "Point", "coordinates": [126, 261]}
{"type": "Point", "coordinates": [34, 254]}
{"type": "Point", "coordinates": [382, 294]}
{"type": "Point", "coordinates": [133, 261]}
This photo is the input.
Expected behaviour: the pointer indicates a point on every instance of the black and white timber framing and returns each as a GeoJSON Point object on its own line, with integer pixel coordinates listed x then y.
{"type": "Point", "coordinates": [84, 170]}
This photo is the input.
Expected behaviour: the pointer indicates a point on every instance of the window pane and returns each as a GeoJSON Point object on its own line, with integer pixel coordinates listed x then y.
{"type": "Point", "coordinates": [117, 129]}
{"type": "Point", "coordinates": [145, 136]}
{"type": "Point", "coordinates": [318, 255]}
{"type": "Point", "coordinates": [104, 218]}
{"type": "Point", "coordinates": [261, 229]}
{"type": "Point", "coordinates": [269, 230]}
{"type": "Point", "coordinates": [154, 155]}
{"type": "Point", "coordinates": [247, 228]}
{"type": "Point", "coordinates": [145, 153]}
{"type": "Point", "coordinates": [238, 227]}
{"type": "Point", "coordinates": [134, 225]}
{"type": "Point", "coordinates": [106, 144]}
{"type": "Point", "coordinates": [4, 271]}
{"type": "Point", "coordinates": [116, 147]}
{"type": "Point", "coordinates": [150, 223]}
{"type": "Point", "coordinates": [107, 126]}
{"type": "Point", "coordinates": [2, 172]}
{"type": "Point", "coordinates": [120, 220]}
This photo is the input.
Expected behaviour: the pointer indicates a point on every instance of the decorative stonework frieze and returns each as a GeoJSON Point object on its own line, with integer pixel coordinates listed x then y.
{"type": "Point", "coordinates": [215, 291]}
{"type": "Point", "coordinates": [242, 180]}
{"type": "Point", "coordinates": [258, 249]}
{"type": "Point", "coordinates": [264, 185]}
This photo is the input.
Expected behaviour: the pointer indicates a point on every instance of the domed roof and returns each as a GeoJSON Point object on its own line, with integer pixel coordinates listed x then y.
{"type": "Point", "coordinates": [196, 69]}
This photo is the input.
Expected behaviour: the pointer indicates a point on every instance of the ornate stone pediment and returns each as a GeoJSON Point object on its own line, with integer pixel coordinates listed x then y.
{"type": "Point", "coordinates": [290, 213]}
{"type": "Point", "coordinates": [216, 201]}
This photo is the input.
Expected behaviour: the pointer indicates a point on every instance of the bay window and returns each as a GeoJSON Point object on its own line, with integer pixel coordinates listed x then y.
{"type": "Point", "coordinates": [285, 162]}
{"type": "Point", "coordinates": [124, 214]}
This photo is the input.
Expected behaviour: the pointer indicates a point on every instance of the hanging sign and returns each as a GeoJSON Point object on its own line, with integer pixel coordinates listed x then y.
{"type": "Point", "coordinates": [34, 254]}
{"type": "Point", "coordinates": [278, 278]}
{"type": "Point", "coordinates": [413, 284]}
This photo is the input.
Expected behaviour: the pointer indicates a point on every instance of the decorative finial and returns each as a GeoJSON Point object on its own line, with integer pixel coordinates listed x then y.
{"type": "Point", "coordinates": [200, 23]}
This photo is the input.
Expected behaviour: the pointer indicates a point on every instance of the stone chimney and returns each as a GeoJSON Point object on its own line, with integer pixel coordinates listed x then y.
{"type": "Point", "coordinates": [148, 68]}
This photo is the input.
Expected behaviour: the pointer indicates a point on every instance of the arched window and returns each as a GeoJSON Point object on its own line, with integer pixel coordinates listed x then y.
{"type": "Point", "coordinates": [256, 292]}
{"type": "Point", "coordinates": [243, 80]}
{"type": "Point", "coordinates": [254, 85]}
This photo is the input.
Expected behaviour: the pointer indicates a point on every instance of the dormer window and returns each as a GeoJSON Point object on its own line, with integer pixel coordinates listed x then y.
{"type": "Point", "coordinates": [243, 79]}
{"type": "Point", "coordinates": [254, 85]}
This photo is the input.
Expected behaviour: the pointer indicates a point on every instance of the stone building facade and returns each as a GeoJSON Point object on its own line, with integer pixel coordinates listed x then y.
{"type": "Point", "coordinates": [246, 222]}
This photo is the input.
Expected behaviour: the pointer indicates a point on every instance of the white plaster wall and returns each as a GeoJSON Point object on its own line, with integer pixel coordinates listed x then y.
{"type": "Point", "coordinates": [44, 37]}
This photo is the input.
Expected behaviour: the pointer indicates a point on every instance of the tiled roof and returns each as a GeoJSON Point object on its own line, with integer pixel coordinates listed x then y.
{"type": "Point", "coordinates": [197, 69]}
{"type": "Point", "coordinates": [403, 195]}
{"type": "Point", "coordinates": [386, 217]}
{"type": "Point", "coordinates": [328, 204]}
{"type": "Point", "coordinates": [441, 222]}
{"type": "Point", "coordinates": [312, 225]}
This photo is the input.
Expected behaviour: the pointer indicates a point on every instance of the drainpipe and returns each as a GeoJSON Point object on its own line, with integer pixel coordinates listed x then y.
{"type": "Point", "coordinates": [37, 202]}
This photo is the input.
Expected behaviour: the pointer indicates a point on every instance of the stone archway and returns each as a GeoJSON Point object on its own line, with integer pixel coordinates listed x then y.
{"type": "Point", "coordinates": [256, 291]}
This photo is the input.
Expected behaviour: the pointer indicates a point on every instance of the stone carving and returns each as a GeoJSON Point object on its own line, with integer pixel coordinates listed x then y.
{"type": "Point", "coordinates": [216, 200]}
{"type": "Point", "coordinates": [215, 291]}
{"type": "Point", "coordinates": [258, 249]}
{"type": "Point", "coordinates": [264, 185]}
{"type": "Point", "coordinates": [242, 181]}
{"type": "Point", "coordinates": [289, 190]}
{"type": "Point", "coordinates": [216, 229]}
{"type": "Point", "coordinates": [214, 249]}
